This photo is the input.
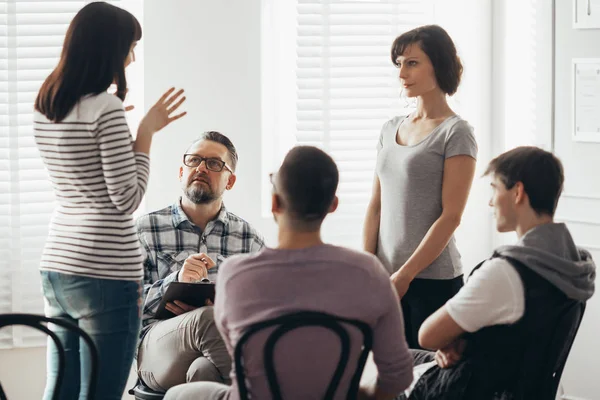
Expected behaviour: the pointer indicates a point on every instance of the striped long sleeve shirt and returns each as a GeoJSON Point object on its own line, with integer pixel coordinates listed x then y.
{"type": "Point", "coordinates": [98, 183]}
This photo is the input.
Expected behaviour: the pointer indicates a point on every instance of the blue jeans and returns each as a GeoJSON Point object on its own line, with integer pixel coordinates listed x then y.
{"type": "Point", "coordinates": [109, 311]}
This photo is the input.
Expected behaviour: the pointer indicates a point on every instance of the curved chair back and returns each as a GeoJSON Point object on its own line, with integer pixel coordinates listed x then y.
{"type": "Point", "coordinates": [541, 381]}
{"type": "Point", "coordinates": [37, 322]}
{"type": "Point", "coordinates": [289, 322]}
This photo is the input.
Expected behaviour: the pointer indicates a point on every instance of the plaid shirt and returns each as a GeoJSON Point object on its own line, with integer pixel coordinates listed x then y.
{"type": "Point", "coordinates": [168, 237]}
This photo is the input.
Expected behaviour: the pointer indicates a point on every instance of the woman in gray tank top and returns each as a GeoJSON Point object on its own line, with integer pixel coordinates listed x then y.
{"type": "Point", "coordinates": [425, 167]}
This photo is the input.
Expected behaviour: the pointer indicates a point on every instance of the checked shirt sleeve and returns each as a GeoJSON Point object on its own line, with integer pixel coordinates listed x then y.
{"type": "Point", "coordinates": [154, 288]}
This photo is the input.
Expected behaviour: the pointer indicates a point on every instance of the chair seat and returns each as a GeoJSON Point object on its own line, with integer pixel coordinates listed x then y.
{"type": "Point", "coordinates": [143, 392]}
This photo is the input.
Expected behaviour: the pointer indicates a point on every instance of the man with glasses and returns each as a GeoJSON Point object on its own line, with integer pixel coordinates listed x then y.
{"type": "Point", "coordinates": [187, 242]}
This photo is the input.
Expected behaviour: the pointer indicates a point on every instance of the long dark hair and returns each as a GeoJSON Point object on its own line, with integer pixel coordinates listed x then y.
{"type": "Point", "coordinates": [96, 46]}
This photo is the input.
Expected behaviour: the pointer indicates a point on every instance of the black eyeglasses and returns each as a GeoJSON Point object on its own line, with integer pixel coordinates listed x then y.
{"type": "Point", "coordinates": [212, 164]}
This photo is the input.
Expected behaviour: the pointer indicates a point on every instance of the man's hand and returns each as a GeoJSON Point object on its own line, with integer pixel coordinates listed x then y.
{"type": "Point", "coordinates": [195, 268]}
{"type": "Point", "coordinates": [451, 354]}
{"type": "Point", "coordinates": [179, 307]}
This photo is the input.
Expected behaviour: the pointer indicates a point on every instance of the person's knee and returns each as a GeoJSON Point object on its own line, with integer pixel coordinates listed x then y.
{"type": "Point", "coordinates": [201, 317]}
{"type": "Point", "coordinates": [203, 370]}
{"type": "Point", "coordinates": [178, 392]}
{"type": "Point", "coordinates": [197, 390]}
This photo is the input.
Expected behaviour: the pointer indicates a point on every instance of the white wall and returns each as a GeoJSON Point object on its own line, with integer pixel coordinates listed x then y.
{"type": "Point", "coordinates": [212, 50]}
{"type": "Point", "coordinates": [525, 109]}
{"type": "Point", "coordinates": [522, 79]}
{"type": "Point", "coordinates": [473, 103]}
{"type": "Point", "coordinates": [580, 203]}
{"type": "Point", "coordinates": [23, 372]}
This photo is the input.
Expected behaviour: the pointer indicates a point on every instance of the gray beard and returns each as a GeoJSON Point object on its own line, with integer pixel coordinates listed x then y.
{"type": "Point", "coordinates": [200, 195]}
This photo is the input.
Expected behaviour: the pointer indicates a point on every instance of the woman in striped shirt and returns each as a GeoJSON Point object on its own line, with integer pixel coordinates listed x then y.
{"type": "Point", "coordinates": [91, 265]}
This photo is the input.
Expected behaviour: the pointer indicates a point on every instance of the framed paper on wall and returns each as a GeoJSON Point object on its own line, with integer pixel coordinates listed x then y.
{"type": "Point", "coordinates": [586, 99]}
{"type": "Point", "coordinates": [586, 14]}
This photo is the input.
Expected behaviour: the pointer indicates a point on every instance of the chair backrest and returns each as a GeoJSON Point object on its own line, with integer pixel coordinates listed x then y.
{"type": "Point", "coordinates": [542, 379]}
{"type": "Point", "coordinates": [292, 321]}
{"type": "Point", "coordinates": [37, 322]}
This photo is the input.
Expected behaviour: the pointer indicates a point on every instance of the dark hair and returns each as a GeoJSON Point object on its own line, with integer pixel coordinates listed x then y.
{"type": "Point", "coordinates": [218, 137]}
{"type": "Point", "coordinates": [540, 172]}
{"type": "Point", "coordinates": [307, 180]}
{"type": "Point", "coordinates": [93, 57]}
{"type": "Point", "coordinates": [439, 47]}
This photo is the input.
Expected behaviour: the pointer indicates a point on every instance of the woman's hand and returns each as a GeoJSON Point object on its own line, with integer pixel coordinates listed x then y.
{"type": "Point", "coordinates": [401, 281]}
{"type": "Point", "coordinates": [161, 113]}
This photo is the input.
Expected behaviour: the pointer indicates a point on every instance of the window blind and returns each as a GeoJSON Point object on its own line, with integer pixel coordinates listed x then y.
{"type": "Point", "coordinates": [347, 86]}
{"type": "Point", "coordinates": [31, 38]}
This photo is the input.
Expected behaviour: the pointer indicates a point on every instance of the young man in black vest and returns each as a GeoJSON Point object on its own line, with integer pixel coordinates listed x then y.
{"type": "Point", "coordinates": [483, 337]}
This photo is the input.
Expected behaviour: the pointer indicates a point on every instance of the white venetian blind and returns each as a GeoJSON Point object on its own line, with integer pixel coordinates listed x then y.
{"type": "Point", "coordinates": [31, 38]}
{"type": "Point", "coordinates": [347, 86]}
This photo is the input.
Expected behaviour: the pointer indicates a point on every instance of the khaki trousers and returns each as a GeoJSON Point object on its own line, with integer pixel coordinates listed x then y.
{"type": "Point", "coordinates": [198, 390]}
{"type": "Point", "coordinates": [186, 348]}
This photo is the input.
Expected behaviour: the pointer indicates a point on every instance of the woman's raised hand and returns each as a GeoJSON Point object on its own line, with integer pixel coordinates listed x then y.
{"type": "Point", "coordinates": [162, 113]}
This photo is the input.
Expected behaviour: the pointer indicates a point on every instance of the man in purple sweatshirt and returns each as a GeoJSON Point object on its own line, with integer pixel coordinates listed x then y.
{"type": "Point", "coordinates": [303, 273]}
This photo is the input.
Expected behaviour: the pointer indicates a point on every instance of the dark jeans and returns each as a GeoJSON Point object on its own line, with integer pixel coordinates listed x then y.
{"type": "Point", "coordinates": [109, 311]}
{"type": "Point", "coordinates": [423, 298]}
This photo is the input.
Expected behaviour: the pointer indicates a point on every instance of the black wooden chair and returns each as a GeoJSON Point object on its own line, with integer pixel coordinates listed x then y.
{"type": "Point", "coordinates": [38, 322]}
{"type": "Point", "coordinates": [289, 322]}
{"type": "Point", "coordinates": [541, 381]}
